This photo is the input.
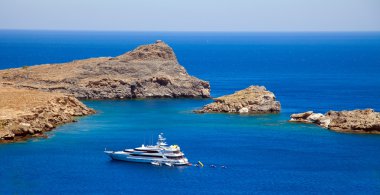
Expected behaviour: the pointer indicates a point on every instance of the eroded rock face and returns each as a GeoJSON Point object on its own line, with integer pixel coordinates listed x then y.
{"type": "Point", "coordinates": [359, 121]}
{"type": "Point", "coordinates": [148, 71]}
{"type": "Point", "coordinates": [26, 113]}
{"type": "Point", "coordinates": [356, 120]}
{"type": "Point", "coordinates": [252, 100]}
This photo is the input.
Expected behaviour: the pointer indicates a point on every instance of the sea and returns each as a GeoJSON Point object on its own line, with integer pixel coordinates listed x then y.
{"type": "Point", "coordinates": [263, 154]}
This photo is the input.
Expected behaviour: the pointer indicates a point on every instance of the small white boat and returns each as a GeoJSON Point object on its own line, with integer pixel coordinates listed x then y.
{"type": "Point", "coordinates": [168, 164]}
{"type": "Point", "coordinates": [156, 163]}
{"type": "Point", "coordinates": [160, 153]}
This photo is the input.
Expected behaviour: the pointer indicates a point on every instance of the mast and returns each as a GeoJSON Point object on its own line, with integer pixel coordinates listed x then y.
{"type": "Point", "coordinates": [161, 140]}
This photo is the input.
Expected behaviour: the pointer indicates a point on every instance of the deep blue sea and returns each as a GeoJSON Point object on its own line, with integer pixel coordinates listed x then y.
{"type": "Point", "coordinates": [263, 153]}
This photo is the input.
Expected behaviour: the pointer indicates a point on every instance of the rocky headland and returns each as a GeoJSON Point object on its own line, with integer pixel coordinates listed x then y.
{"type": "Point", "coordinates": [252, 100]}
{"type": "Point", "coordinates": [354, 121]}
{"type": "Point", "coordinates": [29, 113]}
{"type": "Point", "coordinates": [35, 99]}
{"type": "Point", "coordinates": [148, 71]}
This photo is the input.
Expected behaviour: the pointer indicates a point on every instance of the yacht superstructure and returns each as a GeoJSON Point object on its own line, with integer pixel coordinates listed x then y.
{"type": "Point", "coordinates": [157, 154]}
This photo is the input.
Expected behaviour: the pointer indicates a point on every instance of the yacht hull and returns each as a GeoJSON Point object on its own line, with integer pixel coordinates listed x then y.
{"type": "Point", "coordinates": [122, 156]}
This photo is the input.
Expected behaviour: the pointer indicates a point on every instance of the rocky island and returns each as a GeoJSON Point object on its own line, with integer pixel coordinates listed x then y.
{"type": "Point", "coordinates": [27, 113]}
{"type": "Point", "coordinates": [354, 121]}
{"type": "Point", "coordinates": [36, 99]}
{"type": "Point", "coordinates": [252, 100]}
{"type": "Point", "coordinates": [148, 71]}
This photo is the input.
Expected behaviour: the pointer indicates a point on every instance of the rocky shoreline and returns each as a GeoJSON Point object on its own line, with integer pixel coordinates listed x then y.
{"type": "Point", "coordinates": [33, 99]}
{"type": "Point", "coordinates": [252, 100]}
{"type": "Point", "coordinates": [29, 113]}
{"type": "Point", "coordinates": [149, 71]}
{"type": "Point", "coordinates": [37, 99]}
{"type": "Point", "coordinates": [354, 121]}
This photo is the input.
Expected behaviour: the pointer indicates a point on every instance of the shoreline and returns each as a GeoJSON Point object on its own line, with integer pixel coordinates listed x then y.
{"type": "Point", "coordinates": [31, 113]}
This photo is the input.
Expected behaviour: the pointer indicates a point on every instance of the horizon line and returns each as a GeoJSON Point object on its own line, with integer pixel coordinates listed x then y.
{"type": "Point", "coordinates": [194, 31]}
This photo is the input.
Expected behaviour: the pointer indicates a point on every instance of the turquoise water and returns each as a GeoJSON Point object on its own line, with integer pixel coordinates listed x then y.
{"type": "Point", "coordinates": [263, 153]}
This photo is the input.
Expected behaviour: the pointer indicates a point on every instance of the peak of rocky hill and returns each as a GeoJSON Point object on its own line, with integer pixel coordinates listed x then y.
{"type": "Point", "coordinates": [149, 71]}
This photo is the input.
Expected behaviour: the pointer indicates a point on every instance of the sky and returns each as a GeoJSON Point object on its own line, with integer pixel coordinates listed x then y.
{"type": "Point", "coordinates": [192, 15]}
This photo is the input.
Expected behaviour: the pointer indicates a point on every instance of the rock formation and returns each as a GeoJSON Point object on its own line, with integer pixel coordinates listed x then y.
{"type": "Point", "coordinates": [26, 113]}
{"type": "Point", "coordinates": [252, 100]}
{"type": "Point", "coordinates": [148, 71]}
{"type": "Point", "coordinates": [311, 117]}
{"type": "Point", "coordinates": [359, 121]}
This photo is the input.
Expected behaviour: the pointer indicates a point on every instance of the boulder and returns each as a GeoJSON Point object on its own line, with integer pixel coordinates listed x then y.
{"type": "Point", "coordinates": [6, 135]}
{"type": "Point", "coordinates": [301, 117]}
{"type": "Point", "coordinates": [244, 110]}
{"type": "Point", "coordinates": [306, 117]}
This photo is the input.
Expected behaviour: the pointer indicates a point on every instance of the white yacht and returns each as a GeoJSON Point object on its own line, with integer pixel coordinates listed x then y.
{"type": "Point", "coordinates": [159, 154]}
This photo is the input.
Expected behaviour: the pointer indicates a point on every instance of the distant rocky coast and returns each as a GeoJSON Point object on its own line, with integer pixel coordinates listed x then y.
{"type": "Point", "coordinates": [354, 121]}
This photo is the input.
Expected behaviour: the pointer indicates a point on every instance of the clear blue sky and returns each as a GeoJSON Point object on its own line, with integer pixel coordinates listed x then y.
{"type": "Point", "coordinates": [192, 15]}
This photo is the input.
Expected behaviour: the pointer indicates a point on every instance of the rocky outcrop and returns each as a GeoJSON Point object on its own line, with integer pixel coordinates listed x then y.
{"type": "Point", "coordinates": [149, 71]}
{"type": "Point", "coordinates": [358, 121]}
{"type": "Point", "coordinates": [252, 100]}
{"type": "Point", "coordinates": [311, 117]}
{"type": "Point", "coordinates": [28, 113]}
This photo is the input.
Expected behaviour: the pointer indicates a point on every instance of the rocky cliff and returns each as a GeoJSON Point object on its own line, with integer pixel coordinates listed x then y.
{"type": "Point", "coordinates": [148, 71]}
{"type": "Point", "coordinates": [253, 100]}
{"type": "Point", "coordinates": [357, 121]}
{"type": "Point", "coordinates": [27, 113]}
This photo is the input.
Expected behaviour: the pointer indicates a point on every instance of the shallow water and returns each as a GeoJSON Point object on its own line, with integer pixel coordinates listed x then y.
{"type": "Point", "coordinates": [263, 153]}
